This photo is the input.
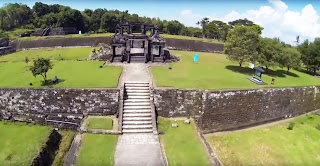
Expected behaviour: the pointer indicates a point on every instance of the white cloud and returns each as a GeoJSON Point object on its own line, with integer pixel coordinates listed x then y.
{"type": "Point", "coordinates": [277, 20]}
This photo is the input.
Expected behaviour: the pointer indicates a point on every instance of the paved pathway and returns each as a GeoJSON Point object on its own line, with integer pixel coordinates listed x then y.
{"type": "Point", "coordinates": [135, 72]}
{"type": "Point", "coordinates": [138, 150]}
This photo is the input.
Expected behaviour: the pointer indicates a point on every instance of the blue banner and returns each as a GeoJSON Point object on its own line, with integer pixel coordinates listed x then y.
{"type": "Point", "coordinates": [195, 58]}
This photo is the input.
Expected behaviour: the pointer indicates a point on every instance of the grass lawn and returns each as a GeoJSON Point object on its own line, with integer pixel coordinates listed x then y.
{"type": "Point", "coordinates": [97, 149]}
{"type": "Point", "coordinates": [191, 38]}
{"type": "Point", "coordinates": [181, 144]}
{"type": "Point", "coordinates": [50, 53]}
{"type": "Point", "coordinates": [21, 143]}
{"type": "Point", "coordinates": [67, 137]}
{"type": "Point", "coordinates": [72, 74]}
{"type": "Point", "coordinates": [14, 72]}
{"type": "Point", "coordinates": [99, 123]}
{"type": "Point", "coordinates": [215, 71]}
{"type": "Point", "coordinates": [274, 145]}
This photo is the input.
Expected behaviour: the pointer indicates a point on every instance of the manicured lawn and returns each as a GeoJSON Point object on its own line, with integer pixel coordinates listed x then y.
{"type": "Point", "coordinates": [191, 38]}
{"type": "Point", "coordinates": [72, 74]}
{"type": "Point", "coordinates": [181, 144]}
{"type": "Point", "coordinates": [215, 71]}
{"type": "Point", "coordinates": [97, 149]}
{"type": "Point", "coordinates": [67, 137]}
{"type": "Point", "coordinates": [275, 145]}
{"type": "Point", "coordinates": [50, 53]}
{"type": "Point", "coordinates": [99, 123]}
{"type": "Point", "coordinates": [21, 143]}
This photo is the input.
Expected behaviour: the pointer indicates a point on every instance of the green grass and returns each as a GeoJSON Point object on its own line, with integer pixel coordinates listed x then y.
{"type": "Point", "coordinates": [51, 53]}
{"type": "Point", "coordinates": [275, 145]}
{"type": "Point", "coordinates": [111, 34]}
{"type": "Point", "coordinates": [21, 143]}
{"type": "Point", "coordinates": [66, 36]}
{"type": "Point", "coordinates": [97, 149]}
{"type": "Point", "coordinates": [67, 137]}
{"type": "Point", "coordinates": [215, 71]}
{"type": "Point", "coordinates": [72, 74]}
{"type": "Point", "coordinates": [191, 38]}
{"type": "Point", "coordinates": [99, 123]}
{"type": "Point", "coordinates": [181, 144]}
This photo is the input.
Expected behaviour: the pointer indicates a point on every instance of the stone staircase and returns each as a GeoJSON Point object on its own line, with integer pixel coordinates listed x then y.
{"type": "Point", "coordinates": [137, 113]}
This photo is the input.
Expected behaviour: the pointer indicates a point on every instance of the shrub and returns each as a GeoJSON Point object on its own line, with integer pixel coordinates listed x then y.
{"type": "Point", "coordinates": [291, 126]}
{"type": "Point", "coordinates": [101, 66]}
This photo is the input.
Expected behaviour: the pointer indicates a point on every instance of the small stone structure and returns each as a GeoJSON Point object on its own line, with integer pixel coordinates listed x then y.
{"type": "Point", "coordinates": [127, 46]}
{"type": "Point", "coordinates": [103, 53]}
{"type": "Point", "coordinates": [49, 31]}
{"type": "Point", "coordinates": [6, 50]}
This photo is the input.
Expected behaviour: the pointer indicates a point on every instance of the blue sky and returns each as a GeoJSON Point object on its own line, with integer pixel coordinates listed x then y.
{"type": "Point", "coordinates": [285, 19]}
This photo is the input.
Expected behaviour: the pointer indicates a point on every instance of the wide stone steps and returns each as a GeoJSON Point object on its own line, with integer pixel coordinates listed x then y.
{"type": "Point", "coordinates": [138, 91]}
{"type": "Point", "coordinates": [137, 88]}
{"type": "Point", "coordinates": [136, 122]}
{"type": "Point", "coordinates": [137, 111]}
{"type": "Point", "coordinates": [138, 97]}
{"type": "Point", "coordinates": [137, 126]}
{"type": "Point", "coordinates": [137, 115]}
{"type": "Point", "coordinates": [138, 94]}
{"type": "Point", "coordinates": [137, 131]}
{"type": "Point", "coordinates": [136, 103]}
{"type": "Point", "coordinates": [136, 100]}
{"type": "Point", "coordinates": [137, 107]}
{"type": "Point", "coordinates": [136, 118]}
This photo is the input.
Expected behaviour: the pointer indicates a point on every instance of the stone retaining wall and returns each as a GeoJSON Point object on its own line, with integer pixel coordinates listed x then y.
{"type": "Point", "coordinates": [67, 105]}
{"type": "Point", "coordinates": [179, 44]}
{"type": "Point", "coordinates": [233, 109]}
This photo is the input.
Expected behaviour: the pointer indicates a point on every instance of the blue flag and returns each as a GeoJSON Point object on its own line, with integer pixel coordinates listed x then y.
{"type": "Point", "coordinates": [195, 58]}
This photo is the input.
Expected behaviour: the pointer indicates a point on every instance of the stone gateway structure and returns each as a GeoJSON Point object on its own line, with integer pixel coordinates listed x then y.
{"type": "Point", "coordinates": [138, 47]}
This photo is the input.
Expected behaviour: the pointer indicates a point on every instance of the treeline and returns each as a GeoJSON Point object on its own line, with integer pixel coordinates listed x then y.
{"type": "Point", "coordinates": [41, 15]}
{"type": "Point", "coordinates": [245, 44]}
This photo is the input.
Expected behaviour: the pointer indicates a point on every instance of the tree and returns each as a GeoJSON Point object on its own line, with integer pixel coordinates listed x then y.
{"type": "Point", "coordinates": [310, 53]}
{"type": "Point", "coordinates": [109, 21]}
{"type": "Point", "coordinates": [242, 44]}
{"type": "Point", "coordinates": [290, 58]}
{"type": "Point", "coordinates": [40, 67]}
{"type": "Point", "coordinates": [269, 52]}
{"type": "Point", "coordinates": [242, 22]}
{"type": "Point", "coordinates": [203, 24]}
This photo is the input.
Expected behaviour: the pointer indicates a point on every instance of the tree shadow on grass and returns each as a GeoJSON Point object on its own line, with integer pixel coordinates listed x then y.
{"type": "Point", "coordinates": [288, 73]}
{"type": "Point", "coordinates": [308, 72]}
{"type": "Point", "coordinates": [243, 70]}
{"type": "Point", "coordinates": [50, 83]}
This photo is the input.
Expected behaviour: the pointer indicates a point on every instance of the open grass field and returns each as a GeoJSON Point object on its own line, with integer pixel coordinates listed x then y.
{"type": "Point", "coordinates": [215, 71]}
{"type": "Point", "coordinates": [15, 35]}
{"type": "Point", "coordinates": [181, 144]}
{"type": "Point", "coordinates": [274, 145]}
{"type": "Point", "coordinates": [14, 72]}
{"type": "Point", "coordinates": [67, 137]}
{"type": "Point", "coordinates": [50, 53]}
{"type": "Point", "coordinates": [97, 149]}
{"type": "Point", "coordinates": [99, 123]}
{"type": "Point", "coordinates": [20, 143]}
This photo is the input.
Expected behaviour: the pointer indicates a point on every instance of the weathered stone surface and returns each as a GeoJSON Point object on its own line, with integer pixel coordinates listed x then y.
{"type": "Point", "coordinates": [57, 104]}
{"type": "Point", "coordinates": [231, 109]}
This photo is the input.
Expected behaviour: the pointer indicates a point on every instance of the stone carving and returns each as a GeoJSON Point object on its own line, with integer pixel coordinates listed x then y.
{"type": "Point", "coordinates": [103, 53]}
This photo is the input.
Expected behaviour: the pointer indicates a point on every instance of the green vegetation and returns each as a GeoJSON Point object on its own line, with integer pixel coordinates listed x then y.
{"type": "Point", "coordinates": [20, 143]}
{"type": "Point", "coordinates": [67, 137]}
{"type": "Point", "coordinates": [181, 144]}
{"type": "Point", "coordinates": [99, 123]}
{"type": "Point", "coordinates": [215, 71]}
{"type": "Point", "coordinates": [51, 53]}
{"type": "Point", "coordinates": [14, 71]}
{"type": "Point", "coordinates": [97, 149]}
{"type": "Point", "coordinates": [67, 36]}
{"type": "Point", "coordinates": [275, 145]}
